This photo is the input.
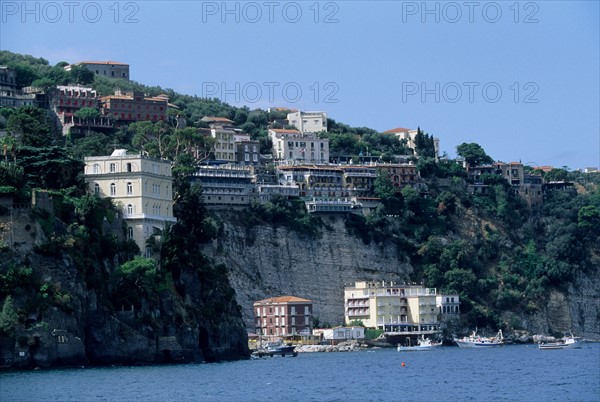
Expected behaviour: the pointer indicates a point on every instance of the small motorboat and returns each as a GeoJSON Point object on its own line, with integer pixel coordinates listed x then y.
{"type": "Point", "coordinates": [567, 342]}
{"type": "Point", "coordinates": [422, 344]}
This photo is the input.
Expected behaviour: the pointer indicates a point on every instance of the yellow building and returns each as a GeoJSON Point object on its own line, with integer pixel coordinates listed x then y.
{"type": "Point", "coordinates": [393, 307]}
{"type": "Point", "coordinates": [140, 185]}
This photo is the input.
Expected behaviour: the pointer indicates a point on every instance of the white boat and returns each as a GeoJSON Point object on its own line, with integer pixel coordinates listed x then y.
{"type": "Point", "coordinates": [476, 341]}
{"type": "Point", "coordinates": [568, 342]}
{"type": "Point", "coordinates": [422, 344]}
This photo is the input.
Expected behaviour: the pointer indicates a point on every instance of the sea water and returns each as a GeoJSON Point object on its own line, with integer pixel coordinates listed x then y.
{"type": "Point", "coordinates": [510, 373]}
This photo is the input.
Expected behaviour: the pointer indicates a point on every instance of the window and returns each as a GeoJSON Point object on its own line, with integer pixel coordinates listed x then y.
{"type": "Point", "coordinates": [130, 233]}
{"type": "Point", "coordinates": [129, 164]}
{"type": "Point", "coordinates": [96, 168]}
{"type": "Point", "coordinates": [113, 168]}
{"type": "Point", "coordinates": [129, 209]}
{"type": "Point", "coordinates": [96, 189]}
{"type": "Point", "coordinates": [129, 188]}
{"type": "Point", "coordinates": [113, 189]}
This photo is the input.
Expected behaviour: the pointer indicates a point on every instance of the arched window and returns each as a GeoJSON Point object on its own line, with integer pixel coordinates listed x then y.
{"type": "Point", "coordinates": [129, 189]}
{"type": "Point", "coordinates": [130, 233]}
{"type": "Point", "coordinates": [97, 189]}
{"type": "Point", "coordinates": [129, 209]}
{"type": "Point", "coordinates": [113, 189]}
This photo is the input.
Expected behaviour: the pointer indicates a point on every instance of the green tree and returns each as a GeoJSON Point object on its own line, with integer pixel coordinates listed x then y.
{"type": "Point", "coordinates": [87, 115]}
{"type": "Point", "coordinates": [30, 127]}
{"type": "Point", "coordinates": [588, 219]}
{"type": "Point", "coordinates": [8, 317]}
{"type": "Point", "coordinates": [473, 154]}
{"type": "Point", "coordinates": [81, 75]}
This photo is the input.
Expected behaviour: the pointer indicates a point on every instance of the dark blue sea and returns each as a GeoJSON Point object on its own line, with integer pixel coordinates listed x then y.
{"type": "Point", "coordinates": [511, 373]}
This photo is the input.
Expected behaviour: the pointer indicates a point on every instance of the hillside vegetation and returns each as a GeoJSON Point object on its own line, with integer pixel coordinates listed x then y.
{"type": "Point", "coordinates": [500, 257]}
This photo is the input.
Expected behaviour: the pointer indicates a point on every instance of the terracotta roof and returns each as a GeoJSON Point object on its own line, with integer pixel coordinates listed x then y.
{"type": "Point", "coordinates": [113, 63]}
{"type": "Point", "coordinates": [398, 130]}
{"type": "Point", "coordinates": [284, 131]}
{"type": "Point", "coordinates": [284, 299]}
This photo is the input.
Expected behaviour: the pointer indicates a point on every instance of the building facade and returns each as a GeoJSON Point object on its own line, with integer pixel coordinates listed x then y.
{"type": "Point", "coordinates": [108, 69]}
{"type": "Point", "coordinates": [308, 122]}
{"type": "Point", "coordinates": [292, 145]}
{"type": "Point", "coordinates": [134, 106]}
{"type": "Point", "coordinates": [283, 316]}
{"type": "Point", "coordinates": [67, 100]}
{"type": "Point", "coordinates": [397, 309]}
{"type": "Point", "coordinates": [10, 95]}
{"type": "Point", "coordinates": [141, 186]}
{"type": "Point", "coordinates": [226, 185]}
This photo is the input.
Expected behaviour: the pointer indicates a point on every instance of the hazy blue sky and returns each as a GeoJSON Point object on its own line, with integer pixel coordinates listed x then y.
{"type": "Point", "coordinates": [519, 78]}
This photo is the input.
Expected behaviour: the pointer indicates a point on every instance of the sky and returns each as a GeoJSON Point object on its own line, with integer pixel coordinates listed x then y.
{"type": "Point", "coordinates": [519, 78]}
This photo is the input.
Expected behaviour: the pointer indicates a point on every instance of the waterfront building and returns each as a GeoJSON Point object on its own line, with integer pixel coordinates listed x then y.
{"type": "Point", "coordinates": [396, 308]}
{"type": "Point", "coordinates": [283, 316]}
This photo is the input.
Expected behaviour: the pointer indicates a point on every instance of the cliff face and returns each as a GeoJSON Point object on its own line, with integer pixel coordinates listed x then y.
{"type": "Point", "coordinates": [66, 315]}
{"type": "Point", "coordinates": [267, 261]}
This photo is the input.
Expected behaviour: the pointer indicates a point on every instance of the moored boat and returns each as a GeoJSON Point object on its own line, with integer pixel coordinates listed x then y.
{"type": "Point", "coordinates": [567, 342]}
{"type": "Point", "coordinates": [476, 341]}
{"type": "Point", "coordinates": [275, 349]}
{"type": "Point", "coordinates": [422, 344]}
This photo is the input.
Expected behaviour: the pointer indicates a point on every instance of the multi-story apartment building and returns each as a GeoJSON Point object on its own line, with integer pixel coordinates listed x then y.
{"type": "Point", "coordinates": [134, 106]}
{"type": "Point", "coordinates": [226, 185]}
{"type": "Point", "coordinates": [140, 185]}
{"type": "Point", "coordinates": [396, 308]}
{"type": "Point", "coordinates": [10, 95]}
{"type": "Point", "coordinates": [401, 174]}
{"type": "Point", "coordinates": [67, 100]}
{"type": "Point", "coordinates": [283, 316]}
{"type": "Point", "coordinates": [314, 181]}
{"type": "Point", "coordinates": [530, 187]}
{"type": "Point", "coordinates": [308, 122]}
{"type": "Point", "coordinates": [292, 145]}
{"type": "Point", "coordinates": [359, 179]}
{"type": "Point", "coordinates": [108, 69]}
{"type": "Point", "coordinates": [224, 134]}
{"type": "Point", "coordinates": [247, 151]}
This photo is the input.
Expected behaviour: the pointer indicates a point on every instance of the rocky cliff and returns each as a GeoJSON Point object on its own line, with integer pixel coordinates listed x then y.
{"type": "Point", "coordinates": [66, 313]}
{"type": "Point", "coordinates": [266, 261]}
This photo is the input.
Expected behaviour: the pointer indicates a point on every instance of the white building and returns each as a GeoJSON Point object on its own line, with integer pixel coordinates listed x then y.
{"type": "Point", "coordinates": [340, 334]}
{"type": "Point", "coordinates": [141, 186]}
{"type": "Point", "coordinates": [409, 136]}
{"type": "Point", "coordinates": [292, 145]}
{"type": "Point", "coordinates": [397, 308]}
{"type": "Point", "coordinates": [222, 130]}
{"type": "Point", "coordinates": [308, 122]}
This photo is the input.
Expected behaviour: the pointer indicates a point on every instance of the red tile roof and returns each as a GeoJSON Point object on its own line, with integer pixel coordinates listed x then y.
{"type": "Point", "coordinates": [398, 130]}
{"type": "Point", "coordinates": [284, 131]}
{"type": "Point", "coordinates": [284, 299]}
